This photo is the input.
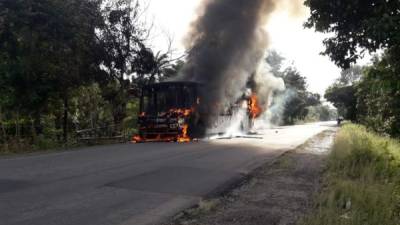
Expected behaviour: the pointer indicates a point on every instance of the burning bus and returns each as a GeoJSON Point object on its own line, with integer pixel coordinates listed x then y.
{"type": "Point", "coordinates": [173, 112]}
{"type": "Point", "coordinates": [167, 110]}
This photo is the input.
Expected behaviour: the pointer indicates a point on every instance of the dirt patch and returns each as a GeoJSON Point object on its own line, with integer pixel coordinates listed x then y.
{"type": "Point", "coordinates": [275, 194]}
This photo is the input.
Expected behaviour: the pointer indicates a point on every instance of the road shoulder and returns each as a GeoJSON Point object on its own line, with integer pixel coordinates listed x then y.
{"type": "Point", "coordinates": [278, 193]}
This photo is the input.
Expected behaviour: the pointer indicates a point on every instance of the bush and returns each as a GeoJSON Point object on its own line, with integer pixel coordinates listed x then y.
{"type": "Point", "coordinates": [362, 181]}
{"type": "Point", "coordinates": [42, 143]}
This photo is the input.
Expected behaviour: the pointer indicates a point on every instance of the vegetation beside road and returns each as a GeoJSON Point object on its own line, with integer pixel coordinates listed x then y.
{"type": "Point", "coordinates": [369, 95]}
{"type": "Point", "coordinates": [73, 67]}
{"type": "Point", "coordinates": [72, 70]}
{"type": "Point", "coordinates": [362, 181]}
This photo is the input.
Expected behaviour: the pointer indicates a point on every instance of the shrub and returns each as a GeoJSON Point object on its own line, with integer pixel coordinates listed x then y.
{"type": "Point", "coordinates": [362, 181]}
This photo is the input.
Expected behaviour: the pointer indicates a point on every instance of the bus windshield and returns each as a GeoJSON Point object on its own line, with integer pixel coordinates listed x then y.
{"type": "Point", "coordinates": [163, 98]}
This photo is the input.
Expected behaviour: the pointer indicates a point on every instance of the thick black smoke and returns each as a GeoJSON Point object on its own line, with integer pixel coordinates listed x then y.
{"type": "Point", "coordinates": [227, 44]}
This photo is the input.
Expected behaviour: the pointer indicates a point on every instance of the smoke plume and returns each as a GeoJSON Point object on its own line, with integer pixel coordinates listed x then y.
{"type": "Point", "coordinates": [227, 45]}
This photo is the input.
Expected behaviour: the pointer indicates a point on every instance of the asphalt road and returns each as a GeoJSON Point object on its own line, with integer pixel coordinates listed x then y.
{"type": "Point", "coordinates": [132, 184]}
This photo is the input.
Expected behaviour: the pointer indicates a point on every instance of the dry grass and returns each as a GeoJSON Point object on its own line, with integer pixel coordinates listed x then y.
{"type": "Point", "coordinates": [362, 184]}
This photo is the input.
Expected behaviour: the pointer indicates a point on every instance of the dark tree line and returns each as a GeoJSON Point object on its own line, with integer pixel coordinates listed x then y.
{"type": "Point", "coordinates": [373, 98]}
{"type": "Point", "coordinates": [56, 55]}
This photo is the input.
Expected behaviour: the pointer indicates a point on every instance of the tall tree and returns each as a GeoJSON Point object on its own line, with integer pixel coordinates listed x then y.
{"type": "Point", "coordinates": [367, 25]}
{"type": "Point", "coordinates": [124, 55]}
{"type": "Point", "coordinates": [378, 97]}
{"type": "Point", "coordinates": [344, 99]}
{"type": "Point", "coordinates": [46, 49]}
{"type": "Point", "coordinates": [275, 61]}
{"type": "Point", "coordinates": [126, 58]}
{"type": "Point", "coordinates": [360, 26]}
{"type": "Point", "coordinates": [299, 98]}
{"type": "Point", "coordinates": [342, 94]}
{"type": "Point", "coordinates": [351, 75]}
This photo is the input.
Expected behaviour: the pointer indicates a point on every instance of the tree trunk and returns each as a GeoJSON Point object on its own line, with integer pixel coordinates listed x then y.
{"type": "Point", "coordinates": [57, 125]}
{"type": "Point", "coordinates": [3, 129]}
{"type": "Point", "coordinates": [65, 120]}
{"type": "Point", "coordinates": [37, 123]}
{"type": "Point", "coordinates": [120, 108]}
{"type": "Point", "coordinates": [17, 126]}
{"type": "Point", "coordinates": [33, 131]}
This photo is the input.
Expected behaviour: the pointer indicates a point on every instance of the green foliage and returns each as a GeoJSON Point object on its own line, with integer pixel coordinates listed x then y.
{"type": "Point", "coordinates": [89, 109]}
{"type": "Point", "coordinates": [368, 24]}
{"type": "Point", "coordinates": [379, 97]}
{"type": "Point", "coordinates": [44, 44]}
{"type": "Point", "coordinates": [275, 61]}
{"type": "Point", "coordinates": [125, 57]}
{"type": "Point", "coordinates": [129, 123]}
{"type": "Point", "coordinates": [67, 65]}
{"type": "Point", "coordinates": [372, 98]}
{"type": "Point", "coordinates": [344, 99]}
{"type": "Point", "coordinates": [362, 181]}
{"type": "Point", "coordinates": [342, 94]}
{"type": "Point", "coordinates": [297, 107]}
{"type": "Point", "coordinates": [320, 113]}
{"type": "Point", "coordinates": [351, 75]}
{"type": "Point", "coordinates": [298, 101]}
{"type": "Point", "coordinates": [173, 70]}
{"type": "Point", "coordinates": [360, 26]}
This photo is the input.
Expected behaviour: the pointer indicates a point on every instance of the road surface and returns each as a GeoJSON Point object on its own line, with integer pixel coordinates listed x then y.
{"type": "Point", "coordinates": [132, 184]}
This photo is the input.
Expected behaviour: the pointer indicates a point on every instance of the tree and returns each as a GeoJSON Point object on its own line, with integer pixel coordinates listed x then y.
{"type": "Point", "coordinates": [344, 99]}
{"type": "Point", "coordinates": [351, 75]}
{"type": "Point", "coordinates": [342, 94]}
{"type": "Point", "coordinates": [275, 61]}
{"type": "Point", "coordinates": [294, 80]}
{"type": "Point", "coordinates": [126, 60]}
{"type": "Point", "coordinates": [72, 62]}
{"type": "Point", "coordinates": [321, 113]}
{"type": "Point", "coordinates": [173, 70]}
{"type": "Point", "coordinates": [378, 97]}
{"type": "Point", "coordinates": [360, 26]}
{"type": "Point", "coordinates": [367, 25]}
{"type": "Point", "coordinates": [46, 50]}
{"type": "Point", "coordinates": [121, 37]}
{"type": "Point", "coordinates": [150, 67]}
{"type": "Point", "coordinates": [300, 99]}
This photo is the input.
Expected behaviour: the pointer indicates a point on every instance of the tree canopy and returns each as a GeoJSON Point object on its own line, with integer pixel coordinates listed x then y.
{"type": "Point", "coordinates": [60, 57]}
{"type": "Point", "coordinates": [299, 102]}
{"type": "Point", "coordinates": [357, 26]}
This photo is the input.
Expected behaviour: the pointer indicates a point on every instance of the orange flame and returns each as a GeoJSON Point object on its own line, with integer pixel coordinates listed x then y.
{"type": "Point", "coordinates": [184, 112]}
{"type": "Point", "coordinates": [137, 139]}
{"type": "Point", "coordinates": [184, 137]}
{"type": "Point", "coordinates": [254, 107]}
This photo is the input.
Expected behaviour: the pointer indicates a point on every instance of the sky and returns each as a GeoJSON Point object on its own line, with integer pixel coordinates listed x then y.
{"type": "Point", "coordinates": [301, 47]}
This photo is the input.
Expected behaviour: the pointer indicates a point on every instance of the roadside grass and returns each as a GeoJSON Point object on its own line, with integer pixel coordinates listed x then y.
{"type": "Point", "coordinates": [362, 182]}
{"type": "Point", "coordinates": [41, 145]}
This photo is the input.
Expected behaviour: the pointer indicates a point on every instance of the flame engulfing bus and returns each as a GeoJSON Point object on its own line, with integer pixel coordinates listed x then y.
{"type": "Point", "coordinates": [173, 112]}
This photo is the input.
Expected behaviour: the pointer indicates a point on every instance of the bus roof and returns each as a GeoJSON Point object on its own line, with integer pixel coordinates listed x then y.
{"type": "Point", "coordinates": [174, 83]}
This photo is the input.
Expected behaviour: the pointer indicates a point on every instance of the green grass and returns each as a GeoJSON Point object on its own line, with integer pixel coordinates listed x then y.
{"type": "Point", "coordinates": [362, 183]}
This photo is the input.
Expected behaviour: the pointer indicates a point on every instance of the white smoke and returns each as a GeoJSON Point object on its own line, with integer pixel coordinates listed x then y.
{"type": "Point", "coordinates": [226, 44]}
{"type": "Point", "coordinates": [266, 85]}
{"type": "Point", "coordinates": [272, 95]}
{"type": "Point", "coordinates": [274, 115]}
